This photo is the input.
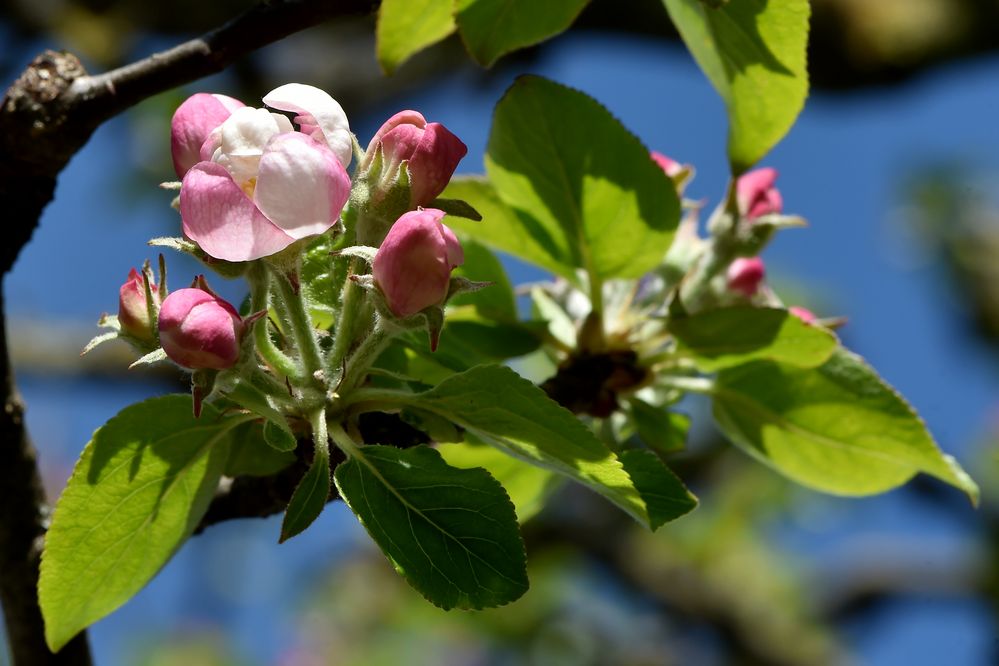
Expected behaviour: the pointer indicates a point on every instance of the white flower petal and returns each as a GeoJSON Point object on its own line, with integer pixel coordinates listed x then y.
{"type": "Point", "coordinates": [301, 185]}
{"type": "Point", "coordinates": [319, 109]}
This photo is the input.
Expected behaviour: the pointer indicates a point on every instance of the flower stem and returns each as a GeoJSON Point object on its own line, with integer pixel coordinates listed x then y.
{"type": "Point", "coordinates": [301, 324]}
{"type": "Point", "coordinates": [360, 361]}
{"type": "Point", "coordinates": [260, 300]}
{"type": "Point", "coordinates": [344, 441]}
{"type": "Point", "coordinates": [320, 436]}
{"type": "Point", "coordinates": [351, 302]}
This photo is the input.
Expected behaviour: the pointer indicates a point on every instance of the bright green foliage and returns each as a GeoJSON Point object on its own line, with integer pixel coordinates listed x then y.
{"type": "Point", "coordinates": [501, 408]}
{"type": "Point", "coordinates": [321, 278]}
{"type": "Point", "coordinates": [837, 428]}
{"type": "Point", "coordinates": [662, 431]}
{"type": "Point", "coordinates": [527, 485]}
{"type": "Point", "coordinates": [138, 491]}
{"type": "Point", "coordinates": [753, 51]}
{"type": "Point", "coordinates": [493, 28]}
{"type": "Point", "coordinates": [406, 27]}
{"type": "Point", "coordinates": [732, 336]}
{"type": "Point", "coordinates": [581, 186]}
{"type": "Point", "coordinates": [665, 496]}
{"type": "Point", "coordinates": [451, 532]}
{"type": "Point", "coordinates": [495, 302]}
{"type": "Point", "coordinates": [309, 498]}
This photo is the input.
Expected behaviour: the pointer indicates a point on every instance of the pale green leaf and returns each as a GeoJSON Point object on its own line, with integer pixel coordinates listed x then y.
{"type": "Point", "coordinates": [837, 428]}
{"type": "Point", "coordinates": [754, 53]}
{"type": "Point", "coordinates": [138, 491]}
{"type": "Point", "coordinates": [493, 28]}
{"type": "Point", "coordinates": [406, 27]}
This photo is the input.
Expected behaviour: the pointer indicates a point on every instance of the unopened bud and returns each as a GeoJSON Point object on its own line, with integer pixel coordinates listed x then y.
{"type": "Point", "coordinates": [199, 330]}
{"type": "Point", "coordinates": [745, 275]}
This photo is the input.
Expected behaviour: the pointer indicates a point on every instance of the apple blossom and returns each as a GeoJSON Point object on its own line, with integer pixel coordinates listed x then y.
{"type": "Point", "coordinates": [261, 185]}
{"type": "Point", "coordinates": [757, 195]}
{"type": "Point", "coordinates": [414, 263]}
{"type": "Point", "coordinates": [199, 330]}
{"type": "Point", "coordinates": [745, 275]}
{"type": "Point", "coordinates": [430, 151]}
{"type": "Point", "coordinates": [133, 307]}
{"type": "Point", "coordinates": [192, 122]}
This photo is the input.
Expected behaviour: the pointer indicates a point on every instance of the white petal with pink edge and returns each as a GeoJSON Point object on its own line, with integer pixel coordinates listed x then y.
{"type": "Point", "coordinates": [301, 185]}
{"type": "Point", "coordinates": [316, 108]}
{"type": "Point", "coordinates": [222, 220]}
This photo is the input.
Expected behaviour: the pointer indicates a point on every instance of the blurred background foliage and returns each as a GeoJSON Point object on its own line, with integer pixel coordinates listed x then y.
{"type": "Point", "coordinates": [762, 573]}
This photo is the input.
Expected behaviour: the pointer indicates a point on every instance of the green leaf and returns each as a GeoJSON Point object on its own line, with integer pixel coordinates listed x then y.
{"type": "Point", "coordinates": [501, 408]}
{"type": "Point", "coordinates": [583, 190]}
{"type": "Point", "coordinates": [660, 429]}
{"type": "Point", "coordinates": [251, 455]}
{"type": "Point", "coordinates": [278, 436]}
{"type": "Point", "coordinates": [727, 337]}
{"type": "Point", "coordinates": [753, 51]}
{"type": "Point", "coordinates": [837, 428]}
{"type": "Point", "coordinates": [494, 302]}
{"type": "Point", "coordinates": [452, 533]}
{"type": "Point", "coordinates": [143, 482]}
{"type": "Point", "coordinates": [406, 27]}
{"type": "Point", "coordinates": [493, 28]}
{"type": "Point", "coordinates": [309, 498]}
{"type": "Point", "coordinates": [665, 496]}
{"type": "Point", "coordinates": [528, 486]}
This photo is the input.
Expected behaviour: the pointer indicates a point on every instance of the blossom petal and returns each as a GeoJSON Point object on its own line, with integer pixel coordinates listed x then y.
{"type": "Point", "coordinates": [222, 220]}
{"type": "Point", "coordinates": [301, 185]}
{"type": "Point", "coordinates": [191, 124]}
{"type": "Point", "coordinates": [319, 109]}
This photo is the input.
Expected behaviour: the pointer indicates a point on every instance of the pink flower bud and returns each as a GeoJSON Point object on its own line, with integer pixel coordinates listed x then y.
{"type": "Point", "coordinates": [192, 122]}
{"type": "Point", "coordinates": [133, 308]}
{"type": "Point", "coordinates": [431, 151]}
{"type": "Point", "coordinates": [745, 275]}
{"type": "Point", "coordinates": [804, 314]}
{"type": "Point", "coordinates": [414, 263]}
{"type": "Point", "coordinates": [757, 195]}
{"type": "Point", "coordinates": [667, 164]}
{"type": "Point", "coordinates": [200, 330]}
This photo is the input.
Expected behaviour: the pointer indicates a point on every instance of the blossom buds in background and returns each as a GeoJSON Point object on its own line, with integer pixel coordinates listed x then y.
{"type": "Point", "coordinates": [757, 195]}
{"type": "Point", "coordinates": [193, 122]}
{"type": "Point", "coordinates": [412, 268]}
{"type": "Point", "coordinates": [804, 314]}
{"type": "Point", "coordinates": [199, 330]}
{"type": "Point", "coordinates": [668, 164]}
{"type": "Point", "coordinates": [261, 185]}
{"type": "Point", "coordinates": [134, 307]}
{"type": "Point", "coordinates": [745, 275]}
{"type": "Point", "coordinates": [431, 152]}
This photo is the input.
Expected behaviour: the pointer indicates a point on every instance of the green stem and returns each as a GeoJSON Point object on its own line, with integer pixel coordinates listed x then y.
{"type": "Point", "coordinates": [351, 302]}
{"type": "Point", "coordinates": [360, 361]}
{"type": "Point", "coordinates": [260, 300]}
{"type": "Point", "coordinates": [390, 398]}
{"type": "Point", "coordinates": [320, 436]}
{"type": "Point", "coordinates": [301, 324]}
{"type": "Point", "coordinates": [344, 441]}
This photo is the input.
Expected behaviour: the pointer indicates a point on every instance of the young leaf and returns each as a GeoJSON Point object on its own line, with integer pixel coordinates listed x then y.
{"type": "Point", "coordinates": [753, 51]}
{"type": "Point", "coordinates": [251, 455]}
{"type": "Point", "coordinates": [837, 428]}
{"type": "Point", "coordinates": [660, 429]}
{"type": "Point", "coordinates": [406, 27]}
{"type": "Point", "coordinates": [665, 496]}
{"type": "Point", "coordinates": [493, 28]}
{"type": "Point", "coordinates": [732, 336]}
{"type": "Point", "coordinates": [452, 533]}
{"type": "Point", "coordinates": [309, 498]}
{"type": "Point", "coordinates": [501, 408]}
{"type": "Point", "coordinates": [582, 186]}
{"type": "Point", "coordinates": [528, 486]}
{"type": "Point", "coordinates": [321, 280]}
{"type": "Point", "coordinates": [138, 491]}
